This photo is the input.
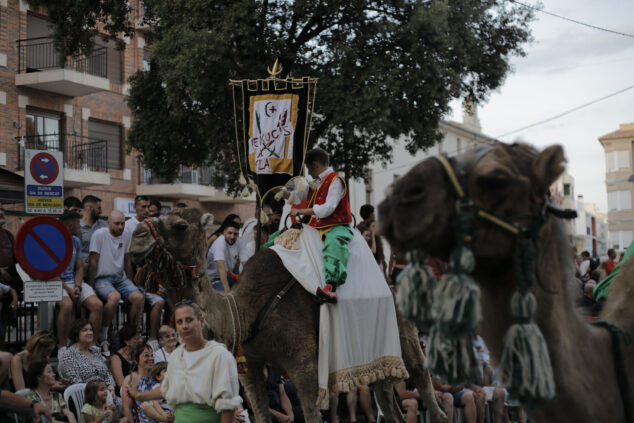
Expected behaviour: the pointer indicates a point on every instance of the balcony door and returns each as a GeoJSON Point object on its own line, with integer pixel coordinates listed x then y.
{"type": "Point", "coordinates": [43, 130]}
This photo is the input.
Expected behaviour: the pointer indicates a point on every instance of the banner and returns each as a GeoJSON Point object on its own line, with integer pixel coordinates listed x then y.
{"type": "Point", "coordinates": [275, 124]}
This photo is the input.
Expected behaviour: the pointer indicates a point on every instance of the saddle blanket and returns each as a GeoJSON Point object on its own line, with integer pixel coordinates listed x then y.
{"type": "Point", "coordinates": [358, 337]}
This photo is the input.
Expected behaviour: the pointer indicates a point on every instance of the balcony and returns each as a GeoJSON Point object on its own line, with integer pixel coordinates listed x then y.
{"type": "Point", "coordinates": [191, 183]}
{"type": "Point", "coordinates": [85, 159]}
{"type": "Point", "coordinates": [40, 67]}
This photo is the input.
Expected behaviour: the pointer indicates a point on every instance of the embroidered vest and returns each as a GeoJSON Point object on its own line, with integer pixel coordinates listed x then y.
{"type": "Point", "coordinates": [341, 215]}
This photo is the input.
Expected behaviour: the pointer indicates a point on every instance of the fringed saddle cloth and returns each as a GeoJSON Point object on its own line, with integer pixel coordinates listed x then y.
{"type": "Point", "coordinates": [358, 337]}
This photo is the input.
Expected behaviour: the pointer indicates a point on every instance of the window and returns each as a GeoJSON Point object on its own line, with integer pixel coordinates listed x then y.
{"type": "Point", "coordinates": [567, 190]}
{"type": "Point", "coordinates": [111, 133]}
{"type": "Point", "coordinates": [619, 200]}
{"type": "Point", "coordinates": [115, 74]}
{"type": "Point", "coordinates": [620, 240]}
{"type": "Point", "coordinates": [617, 160]}
{"type": "Point", "coordinates": [43, 130]}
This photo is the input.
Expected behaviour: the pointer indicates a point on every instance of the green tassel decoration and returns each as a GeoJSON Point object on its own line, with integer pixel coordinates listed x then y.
{"type": "Point", "coordinates": [456, 312]}
{"type": "Point", "coordinates": [414, 296]}
{"type": "Point", "coordinates": [525, 368]}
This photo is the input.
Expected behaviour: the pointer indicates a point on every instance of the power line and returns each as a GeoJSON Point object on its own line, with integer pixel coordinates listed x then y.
{"type": "Point", "coordinates": [574, 109]}
{"type": "Point", "coordinates": [571, 20]}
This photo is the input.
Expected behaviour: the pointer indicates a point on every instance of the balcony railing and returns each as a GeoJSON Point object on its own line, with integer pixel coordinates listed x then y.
{"type": "Point", "coordinates": [81, 153]}
{"type": "Point", "coordinates": [38, 54]}
{"type": "Point", "coordinates": [186, 175]}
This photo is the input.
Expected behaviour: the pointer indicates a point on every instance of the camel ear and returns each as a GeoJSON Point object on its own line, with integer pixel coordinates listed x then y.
{"type": "Point", "coordinates": [547, 167]}
{"type": "Point", "coordinates": [207, 221]}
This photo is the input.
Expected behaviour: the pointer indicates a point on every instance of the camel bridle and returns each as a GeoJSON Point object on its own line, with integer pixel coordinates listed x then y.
{"type": "Point", "coordinates": [163, 262]}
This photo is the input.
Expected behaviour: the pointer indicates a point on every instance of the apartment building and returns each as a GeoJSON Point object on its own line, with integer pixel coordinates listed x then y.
{"type": "Point", "coordinates": [618, 147]}
{"type": "Point", "coordinates": [78, 107]}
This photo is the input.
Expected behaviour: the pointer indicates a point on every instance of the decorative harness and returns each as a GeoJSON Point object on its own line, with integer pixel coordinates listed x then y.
{"type": "Point", "coordinates": [149, 275]}
{"type": "Point", "coordinates": [524, 260]}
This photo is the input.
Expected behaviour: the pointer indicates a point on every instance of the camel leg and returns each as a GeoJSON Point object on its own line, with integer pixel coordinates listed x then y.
{"type": "Point", "coordinates": [304, 379]}
{"type": "Point", "coordinates": [414, 359]}
{"type": "Point", "coordinates": [255, 388]}
{"type": "Point", "coordinates": [385, 399]}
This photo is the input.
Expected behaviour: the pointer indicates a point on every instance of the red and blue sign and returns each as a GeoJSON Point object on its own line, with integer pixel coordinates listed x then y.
{"type": "Point", "coordinates": [43, 247]}
{"type": "Point", "coordinates": [44, 168]}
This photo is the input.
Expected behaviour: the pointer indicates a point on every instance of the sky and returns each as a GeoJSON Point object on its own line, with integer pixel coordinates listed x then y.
{"type": "Point", "coordinates": [568, 65]}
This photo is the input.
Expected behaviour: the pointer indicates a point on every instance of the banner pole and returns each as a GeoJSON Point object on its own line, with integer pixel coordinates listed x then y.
{"type": "Point", "coordinates": [258, 213]}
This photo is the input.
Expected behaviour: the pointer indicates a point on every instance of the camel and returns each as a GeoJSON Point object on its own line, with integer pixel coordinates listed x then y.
{"type": "Point", "coordinates": [511, 182]}
{"type": "Point", "coordinates": [289, 338]}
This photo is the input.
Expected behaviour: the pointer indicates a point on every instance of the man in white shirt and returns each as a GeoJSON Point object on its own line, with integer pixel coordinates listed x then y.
{"type": "Point", "coordinates": [142, 209]}
{"type": "Point", "coordinates": [110, 270]}
{"type": "Point", "coordinates": [328, 210]}
{"type": "Point", "coordinates": [89, 223]}
{"type": "Point", "coordinates": [585, 263]}
{"type": "Point", "coordinates": [224, 258]}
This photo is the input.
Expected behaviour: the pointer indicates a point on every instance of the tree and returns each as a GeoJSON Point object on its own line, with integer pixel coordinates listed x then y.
{"type": "Point", "coordinates": [386, 69]}
{"type": "Point", "coordinates": [76, 23]}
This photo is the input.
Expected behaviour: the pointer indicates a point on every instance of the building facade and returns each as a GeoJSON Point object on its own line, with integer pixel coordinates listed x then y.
{"type": "Point", "coordinates": [618, 147]}
{"type": "Point", "coordinates": [78, 107]}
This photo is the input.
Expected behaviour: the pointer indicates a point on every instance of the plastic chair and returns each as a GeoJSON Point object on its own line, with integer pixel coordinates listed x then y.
{"type": "Point", "coordinates": [76, 394]}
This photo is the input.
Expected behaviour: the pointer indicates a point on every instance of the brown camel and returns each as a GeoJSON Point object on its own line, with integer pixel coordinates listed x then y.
{"type": "Point", "coordinates": [288, 341]}
{"type": "Point", "coordinates": [511, 182]}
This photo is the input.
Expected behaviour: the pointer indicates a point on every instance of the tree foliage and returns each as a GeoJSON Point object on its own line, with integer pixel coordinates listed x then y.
{"type": "Point", "coordinates": [386, 69]}
{"type": "Point", "coordinates": [76, 23]}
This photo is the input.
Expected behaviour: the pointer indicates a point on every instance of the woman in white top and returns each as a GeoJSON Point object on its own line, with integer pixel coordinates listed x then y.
{"type": "Point", "coordinates": [167, 338]}
{"type": "Point", "coordinates": [201, 382]}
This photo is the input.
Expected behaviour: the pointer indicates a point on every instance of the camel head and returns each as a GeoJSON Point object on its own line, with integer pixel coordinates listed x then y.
{"type": "Point", "coordinates": [508, 181]}
{"type": "Point", "coordinates": [180, 232]}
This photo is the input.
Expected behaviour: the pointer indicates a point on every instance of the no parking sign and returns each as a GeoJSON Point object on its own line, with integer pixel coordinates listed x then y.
{"type": "Point", "coordinates": [44, 180]}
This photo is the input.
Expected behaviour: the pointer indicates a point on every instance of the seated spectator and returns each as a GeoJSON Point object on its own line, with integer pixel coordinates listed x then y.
{"type": "Point", "coordinates": [140, 378]}
{"type": "Point", "coordinates": [74, 288]}
{"type": "Point", "coordinates": [110, 272]}
{"type": "Point", "coordinates": [121, 361]}
{"type": "Point", "coordinates": [155, 208]}
{"type": "Point", "coordinates": [97, 408]}
{"type": "Point", "coordinates": [279, 404]}
{"type": "Point", "coordinates": [10, 282]}
{"type": "Point", "coordinates": [38, 348]}
{"type": "Point", "coordinates": [486, 386]}
{"type": "Point", "coordinates": [73, 204]}
{"type": "Point", "coordinates": [40, 379]}
{"type": "Point", "coordinates": [292, 396]}
{"type": "Point", "coordinates": [445, 397]}
{"type": "Point", "coordinates": [90, 222]}
{"type": "Point", "coordinates": [82, 362]}
{"type": "Point", "coordinates": [224, 258]}
{"type": "Point", "coordinates": [409, 402]}
{"type": "Point", "coordinates": [466, 399]}
{"type": "Point", "coordinates": [169, 342]}
{"type": "Point", "coordinates": [589, 307]}
{"type": "Point", "coordinates": [5, 366]}
{"type": "Point", "coordinates": [21, 404]}
{"type": "Point", "coordinates": [375, 243]}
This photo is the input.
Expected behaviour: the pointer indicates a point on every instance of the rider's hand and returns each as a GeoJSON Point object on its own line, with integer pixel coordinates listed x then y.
{"type": "Point", "coordinates": [294, 212]}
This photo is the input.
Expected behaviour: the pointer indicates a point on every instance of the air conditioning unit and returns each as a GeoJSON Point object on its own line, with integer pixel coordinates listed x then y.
{"type": "Point", "coordinates": [189, 176]}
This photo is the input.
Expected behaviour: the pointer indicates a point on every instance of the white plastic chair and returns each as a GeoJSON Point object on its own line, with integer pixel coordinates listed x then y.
{"type": "Point", "coordinates": [76, 393]}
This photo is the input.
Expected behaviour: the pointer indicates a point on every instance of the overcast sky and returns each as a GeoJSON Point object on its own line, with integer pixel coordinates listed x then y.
{"type": "Point", "coordinates": [566, 66]}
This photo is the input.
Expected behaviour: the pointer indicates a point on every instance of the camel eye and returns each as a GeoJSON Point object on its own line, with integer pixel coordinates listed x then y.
{"type": "Point", "coordinates": [412, 194]}
{"type": "Point", "coordinates": [181, 226]}
{"type": "Point", "coordinates": [495, 181]}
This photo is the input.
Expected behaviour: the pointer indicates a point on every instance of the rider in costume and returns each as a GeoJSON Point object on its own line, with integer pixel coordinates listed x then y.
{"type": "Point", "coordinates": [327, 209]}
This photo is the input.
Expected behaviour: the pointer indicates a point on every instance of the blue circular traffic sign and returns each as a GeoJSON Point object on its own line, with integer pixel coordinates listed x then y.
{"type": "Point", "coordinates": [44, 168]}
{"type": "Point", "coordinates": [43, 247]}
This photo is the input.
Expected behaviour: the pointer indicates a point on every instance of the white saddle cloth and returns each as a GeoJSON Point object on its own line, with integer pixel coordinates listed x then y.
{"type": "Point", "coordinates": [358, 337]}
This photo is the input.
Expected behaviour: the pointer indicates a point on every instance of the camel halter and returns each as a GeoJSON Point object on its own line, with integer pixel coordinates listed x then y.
{"type": "Point", "coordinates": [451, 307]}
{"type": "Point", "coordinates": [149, 275]}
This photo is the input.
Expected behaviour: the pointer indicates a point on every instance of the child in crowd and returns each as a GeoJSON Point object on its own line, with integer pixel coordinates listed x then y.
{"type": "Point", "coordinates": [158, 410]}
{"type": "Point", "coordinates": [97, 407]}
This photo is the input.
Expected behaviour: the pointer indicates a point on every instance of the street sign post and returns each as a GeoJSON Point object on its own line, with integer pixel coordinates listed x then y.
{"type": "Point", "coordinates": [43, 247]}
{"type": "Point", "coordinates": [43, 181]}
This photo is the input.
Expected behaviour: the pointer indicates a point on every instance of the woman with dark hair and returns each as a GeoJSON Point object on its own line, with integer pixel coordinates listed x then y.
{"type": "Point", "coordinates": [40, 379]}
{"type": "Point", "coordinates": [81, 361]}
{"type": "Point", "coordinates": [121, 361]}
{"type": "Point", "coordinates": [141, 380]}
{"type": "Point", "coordinates": [38, 348]}
{"type": "Point", "coordinates": [201, 382]}
{"type": "Point", "coordinates": [230, 218]}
